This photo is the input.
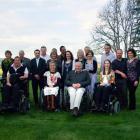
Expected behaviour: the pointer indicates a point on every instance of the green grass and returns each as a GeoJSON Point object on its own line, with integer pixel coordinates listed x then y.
{"type": "Point", "coordinates": [38, 125]}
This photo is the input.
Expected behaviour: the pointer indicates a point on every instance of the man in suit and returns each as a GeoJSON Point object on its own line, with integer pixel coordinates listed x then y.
{"type": "Point", "coordinates": [37, 70]}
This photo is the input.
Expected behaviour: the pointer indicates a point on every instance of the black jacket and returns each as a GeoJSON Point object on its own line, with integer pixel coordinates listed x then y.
{"type": "Point", "coordinates": [37, 70]}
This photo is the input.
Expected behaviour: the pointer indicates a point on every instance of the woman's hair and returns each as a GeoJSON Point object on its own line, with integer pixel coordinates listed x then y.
{"type": "Point", "coordinates": [8, 51]}
{"type": "Point", "coordinates": [109, 70]}
{"type": "Point", "coordinates": [52, 62]}
{"type": "Point", "coordinates": [65, 59]}
{"type": "Point", "coordinates": [81, 52]}
{"type": "Point", "coordinates": [132, 51]}
{"type": "Point", "coordinates": [53, 52]}
{"type": "Point", "coordinates": [90, 52]}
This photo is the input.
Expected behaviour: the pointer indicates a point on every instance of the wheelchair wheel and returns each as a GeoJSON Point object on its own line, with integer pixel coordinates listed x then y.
{"type": "Point", "coordinates": [24, 105]}
{"type": "Point", "coordinates": [116, 107]}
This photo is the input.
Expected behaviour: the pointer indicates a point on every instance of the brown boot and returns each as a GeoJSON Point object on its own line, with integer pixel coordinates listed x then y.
{"type": "Point", "coordinates": [52, 102]}
{"type": "Point", "coordinates": [48, 102]}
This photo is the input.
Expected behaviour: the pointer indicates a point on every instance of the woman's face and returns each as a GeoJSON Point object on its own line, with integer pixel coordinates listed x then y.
{"type": "Point", "coordinates": [52, 67]}
{"type": "Point", "coordinates": [130, 55]}
{"type": "Point", "coordinates": [68, 55]}
{"type": "Point", "coordinates": [80, 54]}
{"type": "Point", "coordinates": [8, 55]}
{"type": "Point", "coordinates": [106, 64]}
{"type": "Point", "coordinates": [89, 56]}
{"type": "Point", "coordinates": [54, 56]}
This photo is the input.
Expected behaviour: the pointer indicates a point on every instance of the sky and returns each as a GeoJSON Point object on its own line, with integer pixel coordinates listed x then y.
{"type": "Point", "coordinates": [29, 24]}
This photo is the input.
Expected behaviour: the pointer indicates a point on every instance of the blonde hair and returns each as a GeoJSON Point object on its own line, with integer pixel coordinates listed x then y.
{"type": "Point", "coordinates": [80, 51]}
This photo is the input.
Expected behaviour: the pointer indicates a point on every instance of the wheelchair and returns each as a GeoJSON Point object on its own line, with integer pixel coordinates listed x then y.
{"type": "Point", "coordinates": [84, 106]}
{"type": "Point", "coordinates": [113, 104]}
{"type": "Point", "coordinates": [43, 102]}
{"type": "Point", "coordinates": [23, 105]}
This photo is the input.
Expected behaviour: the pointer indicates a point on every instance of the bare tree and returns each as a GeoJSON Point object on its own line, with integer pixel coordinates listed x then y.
{"type": "Point", "coordinates": [115, 25]}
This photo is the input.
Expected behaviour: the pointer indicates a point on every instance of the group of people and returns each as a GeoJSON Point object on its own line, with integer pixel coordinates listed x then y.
{"type": "Point", "coordinates": [62, 73]}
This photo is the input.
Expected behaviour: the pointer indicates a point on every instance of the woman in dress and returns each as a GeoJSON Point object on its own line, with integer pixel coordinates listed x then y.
{"type": "Point", "coordinates": [52, 84]}
{"type": "Point", "coordinates": [67, 66]}
{"type": "Point", "coordinates": [91, 67]}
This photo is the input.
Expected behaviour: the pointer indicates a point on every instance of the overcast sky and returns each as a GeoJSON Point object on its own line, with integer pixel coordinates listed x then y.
{"type": "Point", "coordinates": [29, 24]}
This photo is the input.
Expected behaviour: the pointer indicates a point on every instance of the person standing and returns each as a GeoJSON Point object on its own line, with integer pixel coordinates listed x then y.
{"type": "Point", "coordinates": [37, 70]}
{"type": "Point", "coordinates": [67, 66]}
{"type": "Point", "coordinates": [119, 66]}
{"type": "Point", "coordinates": [43, 53]}
{"type": "Point", "coordinates": [25, 62]}
{"type": "Point", "coordinates": [6, 63]}
{"type": "Point", "coordinates": [61, 57]}
{"type": "Point", "coordinates": [133, 72]}
{"type": "Point", "coordinates": [91, 67]}
{"type": "Point", "coordinates": [108, 55]}
{"type": "Point", "coordinates": [81, 58]}
{"type": "Point", "coordinates": [54, 58]}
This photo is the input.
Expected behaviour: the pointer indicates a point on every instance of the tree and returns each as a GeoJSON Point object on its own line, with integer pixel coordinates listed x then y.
{"type": "Point", "coordinates": [135, 41]}
{"type": "Point", "coordinates": [115, 25]}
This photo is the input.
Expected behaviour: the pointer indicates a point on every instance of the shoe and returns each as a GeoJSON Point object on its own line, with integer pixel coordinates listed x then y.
{"type": "Point", "coordinates": [75, 111]}
{"type": "Point", "coordinates": [102, 109]}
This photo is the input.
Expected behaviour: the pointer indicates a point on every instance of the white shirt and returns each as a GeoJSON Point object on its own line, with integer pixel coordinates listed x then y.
{"type": "Point", "coordinates": [46, 57]}
{"type": "Point", "coordinates": [37, 61]}
{"type": "Point", "coordinates": [25, 71]}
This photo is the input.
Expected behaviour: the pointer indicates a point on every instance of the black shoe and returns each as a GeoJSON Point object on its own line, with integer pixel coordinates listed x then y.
{"type": "Point", "coordinates": [102, 109]}
{"type": "Point", "coordinates": [75, 111]}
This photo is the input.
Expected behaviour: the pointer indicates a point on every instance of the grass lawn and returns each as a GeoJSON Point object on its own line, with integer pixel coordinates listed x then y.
{"type": "Point", "coordinates": [38, 125]}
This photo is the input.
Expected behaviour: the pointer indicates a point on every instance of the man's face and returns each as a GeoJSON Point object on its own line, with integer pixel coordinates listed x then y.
{"type": "Point", "coordinates": [43, 51]}
{"type": "Point", "coordinates": [119, 54]}
{"type": "Point", "coordinates": [21, 54]}
{"type": "Point", "coordinates": [17, 62]}
{"type": "Point", "coordinates": [78, 67]}
{"type": "Point", "coordinates": [37, 54]}
{"type": "Point", "coordinates": [107, 49]}
{"type": "Point", "coordinates": [86, 50]}
{"type": "Point", "coordinates": [63, 50]}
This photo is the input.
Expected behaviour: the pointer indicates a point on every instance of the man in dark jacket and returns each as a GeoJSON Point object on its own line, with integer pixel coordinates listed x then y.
{"type": "Point", "coordinates": [119, 65]}
{"type": "Point", "coordinates": [37, 70]}
{"type": "Point", "coordinates": [76, 81]}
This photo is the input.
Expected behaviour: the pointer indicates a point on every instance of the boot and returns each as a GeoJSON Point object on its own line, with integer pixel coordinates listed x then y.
{"type": "Point", "coordinates": [52, 102]}
{"type": "Point", "coordinates": [48, 102]}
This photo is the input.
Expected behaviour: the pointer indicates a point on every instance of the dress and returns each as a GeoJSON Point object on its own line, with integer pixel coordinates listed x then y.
{"type": "Point", "coordinates": [52, 80]}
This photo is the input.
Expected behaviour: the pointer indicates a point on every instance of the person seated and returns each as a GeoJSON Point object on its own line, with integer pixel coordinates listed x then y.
{"type": "Point", "coordinates": [52, 82]}
{"type": "Point", "coordinates": [76, 81]}
{"type": "Point", "coordinates": [16, 76]}
{"type": "Point", "coordinates": [104, 89]}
